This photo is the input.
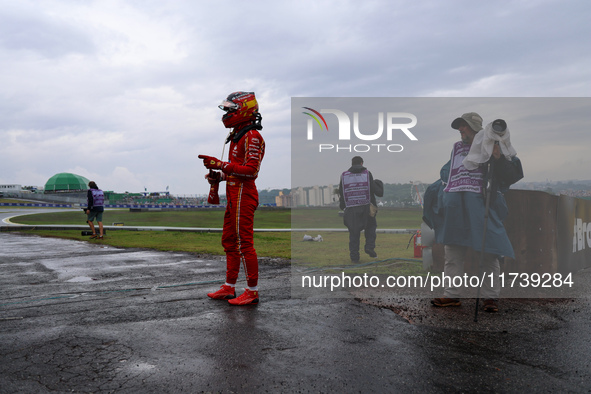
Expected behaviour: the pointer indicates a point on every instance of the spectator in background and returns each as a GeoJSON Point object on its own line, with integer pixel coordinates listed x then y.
{"type": "Point", "coordinates": [94, 209]}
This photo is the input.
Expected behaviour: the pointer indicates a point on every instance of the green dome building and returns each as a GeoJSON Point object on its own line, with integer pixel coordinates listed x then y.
{"type": "Point", "coordinates": [66, 182]}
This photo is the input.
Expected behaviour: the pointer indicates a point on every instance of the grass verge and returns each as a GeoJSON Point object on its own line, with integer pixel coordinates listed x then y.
{"type": "Point", "coordinates": [213, 218]}
{"type": "Point", "coordinates": [394, 254]}
{"type": "Point", "coordinates": [271, 244]}
{"type": "Point", "coordinates": [210, 218]}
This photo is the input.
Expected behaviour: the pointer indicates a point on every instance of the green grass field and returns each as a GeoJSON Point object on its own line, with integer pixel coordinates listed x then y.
{"type": "Point", "coordinates": [268, 244]}
{"type": "Point", "coordinates": [332, 252]}
{"type": "Point", "coordinates": [210, 218]}
{"type": "Point", "coordinates": [213, 218]}
{"type": "Point", "coordinates": [329, 218]}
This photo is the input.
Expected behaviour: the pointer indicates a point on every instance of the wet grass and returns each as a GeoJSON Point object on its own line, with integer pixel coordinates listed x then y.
{"type": "Point", "coordinates": [394, 252]}
{"type": "Point", "coordinates": [210, 218]}
{"type": "Point", "coordinates": [395, 255]}
{"type": "Point", "coordinates": [213, 218]}
{"type": "Point", "coordinates": [329, 218]}
{"type": "Point", "coordinates": [271, 244]}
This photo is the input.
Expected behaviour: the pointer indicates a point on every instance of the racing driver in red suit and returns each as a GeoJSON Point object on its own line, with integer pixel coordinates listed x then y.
{"type": "Point", "coordinates": [247, 149]}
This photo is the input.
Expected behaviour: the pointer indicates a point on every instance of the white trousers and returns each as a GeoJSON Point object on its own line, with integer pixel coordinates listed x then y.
{"type": "Point", "coordinates": [454, 267]}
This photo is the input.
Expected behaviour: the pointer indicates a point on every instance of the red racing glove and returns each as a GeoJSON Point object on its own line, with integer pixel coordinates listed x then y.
{"type": "Point", "coordinates": [212, 163]}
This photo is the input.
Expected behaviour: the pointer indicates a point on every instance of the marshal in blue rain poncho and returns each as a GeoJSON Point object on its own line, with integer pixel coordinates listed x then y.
{"type": "Point", "coordinates": [458, 217]}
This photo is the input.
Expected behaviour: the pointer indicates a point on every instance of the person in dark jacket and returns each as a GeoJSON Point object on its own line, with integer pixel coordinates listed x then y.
{"type": "Point", "coordinates": [357, 196]}
{"type": "Point", "coordinates": [95, 199]}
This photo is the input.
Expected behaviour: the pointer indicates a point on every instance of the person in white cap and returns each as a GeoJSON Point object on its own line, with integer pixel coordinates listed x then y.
{"type": "Point", "coordinates": [459, 225]}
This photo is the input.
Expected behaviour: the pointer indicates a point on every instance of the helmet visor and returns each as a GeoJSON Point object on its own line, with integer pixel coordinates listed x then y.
{"type": "Point", "coordinates": [228, 106]}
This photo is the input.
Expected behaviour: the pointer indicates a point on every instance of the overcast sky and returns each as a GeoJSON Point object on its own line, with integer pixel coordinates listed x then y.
{"type": "Point", "coordinates": [126, 92]}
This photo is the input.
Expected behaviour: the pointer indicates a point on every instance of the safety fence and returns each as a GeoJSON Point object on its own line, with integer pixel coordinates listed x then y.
{"type": "Point", "coordinates": [549, 234]}
{"type": "Point", "coordinates": [128, 206]}
{"type": "Point", "coordinates": [35, 205]}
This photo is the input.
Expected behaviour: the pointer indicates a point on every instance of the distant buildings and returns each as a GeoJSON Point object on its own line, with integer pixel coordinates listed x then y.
{"type": "Point", "coordinates": [315, 196]}
{"type": "Point", "coordinates": [10, 188]}
{"type": "Point", "coordinates": [283, 200]}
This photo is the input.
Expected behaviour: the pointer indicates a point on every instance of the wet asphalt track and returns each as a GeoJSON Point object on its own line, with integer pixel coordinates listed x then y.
{"type": "Point", "coordinates": [83, 317]}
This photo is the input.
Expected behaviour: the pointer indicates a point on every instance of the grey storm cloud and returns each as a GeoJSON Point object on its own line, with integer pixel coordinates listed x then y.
{"type": "Point", "coordinates": [29, 30]}
{"type": "Point", "coordinates": [134, 85]}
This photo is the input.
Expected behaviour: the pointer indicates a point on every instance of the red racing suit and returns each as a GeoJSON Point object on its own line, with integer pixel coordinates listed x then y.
{"type": "Point", "coordinates": [246, 155]}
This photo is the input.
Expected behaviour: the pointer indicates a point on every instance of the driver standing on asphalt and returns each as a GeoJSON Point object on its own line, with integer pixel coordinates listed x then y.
{"type": "Point", "coordinates": [247, 149]}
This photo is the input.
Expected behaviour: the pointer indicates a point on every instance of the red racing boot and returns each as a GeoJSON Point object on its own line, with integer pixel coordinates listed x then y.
{"type": "Point", "coordinates": [249, 297]}
{"type": "Point", "coordinates": [224, 293]}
